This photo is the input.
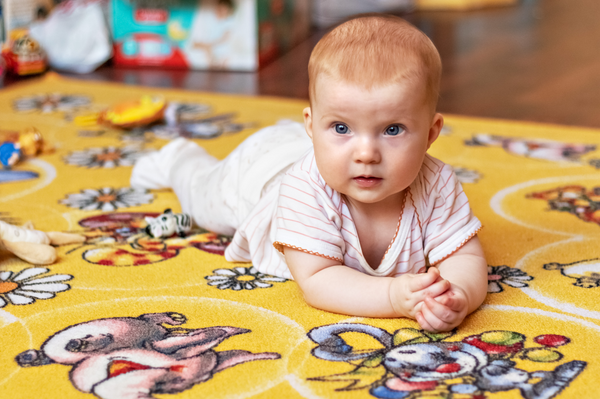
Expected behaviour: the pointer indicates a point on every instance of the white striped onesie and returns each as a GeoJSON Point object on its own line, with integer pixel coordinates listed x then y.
{"type": "Point", "coordinates": [306, 214]}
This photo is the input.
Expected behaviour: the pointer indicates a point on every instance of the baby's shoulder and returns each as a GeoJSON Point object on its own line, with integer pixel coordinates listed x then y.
{"type": "Point", "coordinates": [305, 169]}
{"type": "Point", "coordinates": [435, 176]}
{"type": "Point", "coordinates": [304, 176]}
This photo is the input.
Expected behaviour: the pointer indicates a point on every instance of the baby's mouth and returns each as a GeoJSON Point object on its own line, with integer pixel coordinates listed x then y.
{"type": "Point", "coordinates": [367, 181]}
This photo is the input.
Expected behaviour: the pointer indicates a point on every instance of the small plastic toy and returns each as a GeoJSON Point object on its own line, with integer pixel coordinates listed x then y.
{"type": "Point", "coordinates": [23, 55]}
{"type": "Point", "coordinates": [10, 154]}
{"type": "Point", "coordinates": [18, 145]}
{"type": "Point", "coordinates": [127, 115]}
{"type": "Point", "coordinates": [32, 143]}
{"type": "Point", "coordinates": [168, 224]}
{"type": "Point", "coordinates": [139, 113]}
{"type": "Point", "coordinates": [34, 246]}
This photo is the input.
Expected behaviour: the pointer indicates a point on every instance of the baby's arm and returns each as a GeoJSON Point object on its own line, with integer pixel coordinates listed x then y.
{"type": "Point", "coordinates": [466, 270]}
{"type": "Point", "coordinates": [329, 285]}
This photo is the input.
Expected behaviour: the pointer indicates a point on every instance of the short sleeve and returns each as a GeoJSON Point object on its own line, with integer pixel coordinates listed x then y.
{"type": "Point", "coordinates": [308, 216]}
{"type": "Point", "coordinates": [451, 223]}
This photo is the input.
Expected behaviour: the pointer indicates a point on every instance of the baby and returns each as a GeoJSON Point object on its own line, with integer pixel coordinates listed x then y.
{"type": "Point", "coordinates": [350, 205]}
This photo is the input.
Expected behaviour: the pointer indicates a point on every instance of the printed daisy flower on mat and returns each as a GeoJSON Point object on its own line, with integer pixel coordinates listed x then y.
{"type": "Point", "coordinates": [47, 103]}
{"type": "Point", "coordinates": [107, 199]}
{"type": "Point", "coordinates": [467, 175]}
{"type": "Point", "coordinates": [24, 287]}
{"type": "Point", "coordinates": [498, 275]}
{"type": "Point", "coordinates": [242, 278]}
{"type": "Point", "coordinates": [107, 157]}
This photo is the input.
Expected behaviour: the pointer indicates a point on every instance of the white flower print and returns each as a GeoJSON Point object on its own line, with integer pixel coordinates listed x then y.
{"type": "Point", "coordinates": [106, 157]}
{"type": "Point", "coordinates": [467, 175]}
{"type": "Point", "coordinates": [242, 278]}
{"type": "Point", "coordinates": [24, 287]}
{"type": "Point", "coordinates": [108, 199]}
{"type": "Point", "coordinates": [498, 275]}
{"type": "Point", "coordinates": [51, 102]}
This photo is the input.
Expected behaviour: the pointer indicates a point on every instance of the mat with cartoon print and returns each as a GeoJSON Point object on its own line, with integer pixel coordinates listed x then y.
{"type": "Point", "coordinates": [125, 315]}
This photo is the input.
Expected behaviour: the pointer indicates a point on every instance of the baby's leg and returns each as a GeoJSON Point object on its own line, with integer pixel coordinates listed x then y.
{"type": "Point", "coordinates": [219, 195]}
{"type": "Point", "coordinates": [173, 167]}
{"type": "Point", "coordinates": [153, 171]}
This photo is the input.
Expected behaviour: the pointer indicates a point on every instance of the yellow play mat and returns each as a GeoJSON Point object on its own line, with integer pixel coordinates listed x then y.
{"type": "Point", "coordinates": [125, 315]}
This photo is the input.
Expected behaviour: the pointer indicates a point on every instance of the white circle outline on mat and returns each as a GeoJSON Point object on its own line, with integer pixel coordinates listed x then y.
{"type": "Point", "coordinates": [162, 299]}
{"type": "Point", "coordinates": [559, 316]}
{"type": "Point", "coordinates": [567, 307]}
{"type": "Point", "coordinates": [498, 198]}
{"type": "Point", "coordinates": [13, 319]}
{"type": "Point", "coordinates": [496, 205]}
{"type": "Point", "coordinates": [50, 176]}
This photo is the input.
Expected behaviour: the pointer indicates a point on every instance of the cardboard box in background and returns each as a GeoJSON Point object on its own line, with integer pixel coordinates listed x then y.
{"type": "Point", "coordinates": [21, 13]}
{"type": "Point", "coordinates": [206, 34]}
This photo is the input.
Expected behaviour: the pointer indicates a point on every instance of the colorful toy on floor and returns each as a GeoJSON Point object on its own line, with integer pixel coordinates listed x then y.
{"type": "Point", "coordinates": [168, 223]}
{"type": "Point", "coordinates": [10, 154]}
{"type": "Point", "coordinates": [127, 115]}
{"type": "Point", "coordinates": [18, 145]}
{"type": "Point", "coordinates": [34, 246]}
{"type": "Point", "coordinates": [23, 55]}
{"type": "Point", "coordinates": [32, 143]}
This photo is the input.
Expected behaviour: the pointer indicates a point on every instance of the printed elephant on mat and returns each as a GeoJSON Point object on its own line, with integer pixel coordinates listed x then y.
{"type": "Point", "coordinates": [137, 357]}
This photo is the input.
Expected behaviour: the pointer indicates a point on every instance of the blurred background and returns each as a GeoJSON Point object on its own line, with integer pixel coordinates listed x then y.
{"type": "Point", "coordinates": [530, 60]}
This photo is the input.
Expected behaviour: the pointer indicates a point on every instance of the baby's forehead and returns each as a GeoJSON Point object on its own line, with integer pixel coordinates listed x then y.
{"type": "Point", "coordinates": [330, 84]}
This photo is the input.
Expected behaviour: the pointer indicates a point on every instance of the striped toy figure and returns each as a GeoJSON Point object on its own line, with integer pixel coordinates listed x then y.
{"type": "Point", "coordinates": [168, 223]}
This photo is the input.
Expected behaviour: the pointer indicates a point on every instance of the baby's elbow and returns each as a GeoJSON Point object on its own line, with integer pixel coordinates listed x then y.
{"type": "Point", "coordinates": [312, 295]}
{"type": "Point", "coordinates": [478, 296]}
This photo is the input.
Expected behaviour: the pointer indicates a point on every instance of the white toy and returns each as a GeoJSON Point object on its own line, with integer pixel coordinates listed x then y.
{"type": "Point", "coordinates": [168, 224]}
{"type": "Point", "coordinates": [32, 245]}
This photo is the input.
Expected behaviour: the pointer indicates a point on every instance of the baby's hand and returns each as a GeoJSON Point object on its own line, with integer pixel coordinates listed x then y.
{"type": "Point", "coordinates": [408, 291]}
{"type": "Point", "coordinates": [444, 312]}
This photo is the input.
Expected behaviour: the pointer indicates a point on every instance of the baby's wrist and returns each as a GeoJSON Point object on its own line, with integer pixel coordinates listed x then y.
{"type": "Point", "coordinates": [397, 300]}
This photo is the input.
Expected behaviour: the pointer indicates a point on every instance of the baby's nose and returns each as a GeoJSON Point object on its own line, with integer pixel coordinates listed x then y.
{"type": "Point", "coordinates": [367, 151]}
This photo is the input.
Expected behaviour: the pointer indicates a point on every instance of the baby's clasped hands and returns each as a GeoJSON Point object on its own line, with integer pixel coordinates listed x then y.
{"type": "Point", "coordinates": [434, 302]}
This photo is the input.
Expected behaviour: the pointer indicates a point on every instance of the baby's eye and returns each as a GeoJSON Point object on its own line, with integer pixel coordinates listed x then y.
{"type": "Point", "coordinates": [341, 128]}
{"type": "Point", "coordinates": [394, 130]}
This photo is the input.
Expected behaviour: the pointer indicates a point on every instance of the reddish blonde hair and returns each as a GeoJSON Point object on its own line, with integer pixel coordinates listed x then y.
{"type": "Point", "coordinates": [374, 50]}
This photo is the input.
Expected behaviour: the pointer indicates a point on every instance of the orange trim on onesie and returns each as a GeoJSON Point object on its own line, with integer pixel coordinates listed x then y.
{"type": "Point", "coordinates": [459, 247]}
{"type": "Point", "coordinates": [399, 223]}
{"type": "Point", "coordinates": [279, 244]}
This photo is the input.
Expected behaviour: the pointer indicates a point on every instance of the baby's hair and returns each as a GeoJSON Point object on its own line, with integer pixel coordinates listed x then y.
{"type": "Point", "coordinates": [227, 3]}
{"type": "Point", "coordinates": [374, 50]}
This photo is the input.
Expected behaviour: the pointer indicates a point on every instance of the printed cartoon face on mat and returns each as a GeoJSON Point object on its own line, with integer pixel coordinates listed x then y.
{"type": "Point", "coordinates": [137, 357]}
{"type": "Point", "coordinates": [434, 361]}
{"type": "Point", "coordinates": [414, 363]}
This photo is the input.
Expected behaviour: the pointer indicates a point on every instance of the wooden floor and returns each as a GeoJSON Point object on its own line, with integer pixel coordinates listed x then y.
{"type": "Point", "coordinates": [537, 61]}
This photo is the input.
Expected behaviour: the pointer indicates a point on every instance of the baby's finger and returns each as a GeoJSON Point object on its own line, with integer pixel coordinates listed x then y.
{"type": "Point", "coordinates": [454, 302]}
{"type": "Point", "coordinates": [440, 311]}
{"type": "Point", "coordinates": [436, 289]}
{"type": "Point", "coordinates": [432, 320]}
{"type": "Point", "coordinates": [424, 280]}
{"type": "Point", "coordinates": [423, 323]}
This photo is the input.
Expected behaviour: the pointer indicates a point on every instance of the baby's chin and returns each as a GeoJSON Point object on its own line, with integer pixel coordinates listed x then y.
{"type": "Point", "coordinates": [373, 198]}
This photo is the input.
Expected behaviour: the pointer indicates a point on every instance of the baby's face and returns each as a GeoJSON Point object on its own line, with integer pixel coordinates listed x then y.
{"type": "Point", "coordinates": [370, 144]}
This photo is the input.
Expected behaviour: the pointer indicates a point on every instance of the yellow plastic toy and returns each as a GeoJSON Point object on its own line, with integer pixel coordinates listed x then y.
{"type": "Point", "coordinates": [127, 115]}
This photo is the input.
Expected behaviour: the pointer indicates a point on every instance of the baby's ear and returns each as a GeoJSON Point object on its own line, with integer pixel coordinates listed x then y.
{"type": "Point", "coordinates": [307, 113]}
{"type": "Point", "coordinates": [436, 127]}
